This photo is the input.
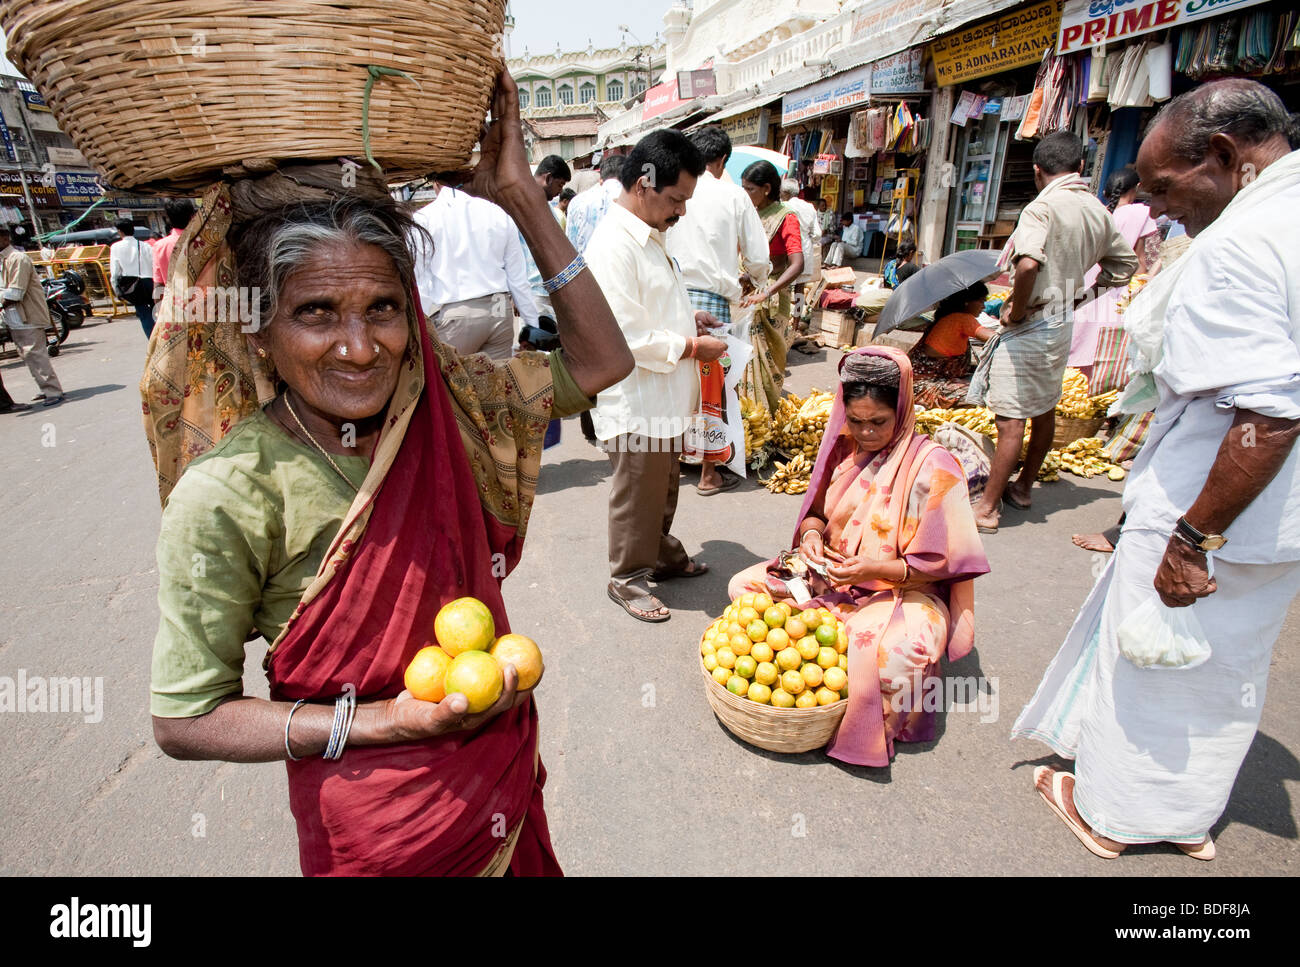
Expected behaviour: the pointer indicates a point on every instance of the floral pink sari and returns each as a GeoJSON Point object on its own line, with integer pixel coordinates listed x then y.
{"type": "Point", "coordinates": [907, 500]}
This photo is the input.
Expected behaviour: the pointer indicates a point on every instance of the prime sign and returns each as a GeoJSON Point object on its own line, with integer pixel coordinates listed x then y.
{"type": "Point", "coordinates": [1086, 23]}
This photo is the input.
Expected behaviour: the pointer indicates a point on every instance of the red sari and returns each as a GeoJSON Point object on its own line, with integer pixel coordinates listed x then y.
{"type": "Point", "coordinates": [416, 538]}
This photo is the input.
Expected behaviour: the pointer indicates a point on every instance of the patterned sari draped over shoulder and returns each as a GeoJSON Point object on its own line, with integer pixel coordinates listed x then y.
{"type": "Point", "coordinates": [770, 332]}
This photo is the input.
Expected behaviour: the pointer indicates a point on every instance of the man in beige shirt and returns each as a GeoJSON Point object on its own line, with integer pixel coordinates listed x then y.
{"type": "Point", "coordinates": [27, 315]}
{"type": "Point", "coordinates": [641, 420]}
{"type": "Point", "coordinates": [1061, 234]}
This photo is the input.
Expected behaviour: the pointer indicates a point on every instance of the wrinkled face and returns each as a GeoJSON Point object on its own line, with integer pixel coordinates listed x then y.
{"type": "Point", "coordinates": [347, 297]}
{"type": "Point", "coordinates": [870, 423]}
{"type": "Point", "coordinates": [664, 209]}
{"type": "Point", "coordinates": [1192, 193]}
{"type": "Point", "coordinates": [758, 194]}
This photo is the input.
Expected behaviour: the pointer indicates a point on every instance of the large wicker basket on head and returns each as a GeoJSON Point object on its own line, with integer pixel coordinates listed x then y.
{"type": "Point", "coordinates": [162, 94]}
{"type": "Point", "coordinates": [1071, 428]}
{"type": "Point", "coordinates": [771, 728]}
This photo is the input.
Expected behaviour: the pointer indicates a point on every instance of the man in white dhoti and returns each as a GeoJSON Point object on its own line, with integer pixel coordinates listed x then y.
{"type": "Point", "coordinates": [1213, 503]}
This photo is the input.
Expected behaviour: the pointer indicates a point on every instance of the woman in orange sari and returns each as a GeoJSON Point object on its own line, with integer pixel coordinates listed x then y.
{"type": "Point", "coordinates": [331, 477]}
{"type": "Point", "coordinates": [888, 518]}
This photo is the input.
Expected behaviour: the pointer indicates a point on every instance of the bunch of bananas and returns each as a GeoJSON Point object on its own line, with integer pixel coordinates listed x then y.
{"type": "Point", "coordinates": [1135, 285]}
{"type": "Point", "coordinates": [791, 477]}
{"type": "Point", "coordinates": [1075, 401]}
{"type": "Point", "coordinates": [758, 429]}
{"type": "Point", "coordinates": [976, 418]}
{"type": "Point", "coordinates": [1050, 471]}
{"type": "Point", "coordinates": [1083, 459]}
{"type": "Point", "coordinates": [801, 423]}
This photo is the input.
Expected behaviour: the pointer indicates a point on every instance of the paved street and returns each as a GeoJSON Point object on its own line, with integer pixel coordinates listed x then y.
{"type": "Point", "coordinates": [643, 778]}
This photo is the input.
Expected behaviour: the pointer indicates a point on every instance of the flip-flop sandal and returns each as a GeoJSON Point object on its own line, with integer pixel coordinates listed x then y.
{"type": "Point", "coordinates": [1015, 501]}
{"type": "Point", "coordinates": [1056, 802]}
{"type": "Point", "coordinates": [695, 569]}
{"type": "Point", "coordinates": [729, 482]}
{"type": "Point", "coordinates": [984, 529]}
{"type": "Point", "coordinates": [634, 602]}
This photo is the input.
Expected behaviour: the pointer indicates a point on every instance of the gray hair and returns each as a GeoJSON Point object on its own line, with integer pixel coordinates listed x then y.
{"type": "Point", "coordinates": [271, 248]}
{"type": "Point", "coordinates": [789, 187]}
{"type": "Point", "coordinates": [1246, 110]}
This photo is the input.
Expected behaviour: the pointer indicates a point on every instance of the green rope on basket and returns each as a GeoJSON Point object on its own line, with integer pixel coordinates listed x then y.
{"type": "Point", "coordinates": [375, 72]}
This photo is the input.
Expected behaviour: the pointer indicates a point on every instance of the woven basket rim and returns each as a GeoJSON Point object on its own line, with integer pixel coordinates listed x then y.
{"type": "Point", "coordinates": [797, 715]}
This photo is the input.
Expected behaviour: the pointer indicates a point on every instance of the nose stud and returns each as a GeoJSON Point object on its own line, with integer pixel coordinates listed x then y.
{"type": "Point", "coordinates": [343, 351]}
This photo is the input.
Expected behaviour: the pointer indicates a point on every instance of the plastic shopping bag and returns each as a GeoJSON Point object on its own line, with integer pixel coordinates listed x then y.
{"type": "Point", "coordinates": [1153, 636]}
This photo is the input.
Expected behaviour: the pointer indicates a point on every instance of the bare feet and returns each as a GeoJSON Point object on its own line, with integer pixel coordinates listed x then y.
{"type": "Point", "coordinates": [1093, 542]}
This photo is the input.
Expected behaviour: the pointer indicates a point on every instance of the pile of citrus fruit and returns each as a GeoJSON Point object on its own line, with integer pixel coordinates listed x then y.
{"type": "Point", "coordinates": [470, 659]}
{"type": "Point", "coordinates": [775, 654]}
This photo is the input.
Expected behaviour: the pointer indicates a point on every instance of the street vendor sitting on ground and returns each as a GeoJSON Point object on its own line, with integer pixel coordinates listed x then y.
{"type": "Point", "coordinates": [941, 362]}
{"type": "Point", "coordinates": [888, 520]}
{"type": "Point", "coordinates": [384, 477]}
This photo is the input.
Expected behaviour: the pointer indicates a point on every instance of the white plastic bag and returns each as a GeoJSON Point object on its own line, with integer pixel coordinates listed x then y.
{"type": "Point", "coordinates": [1153, 636]}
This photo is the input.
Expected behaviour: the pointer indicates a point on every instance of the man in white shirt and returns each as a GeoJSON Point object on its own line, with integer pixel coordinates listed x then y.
{"type": "Point", "coordinates": [720, 235]}
{"type": "Point", "coordinates": [130, 269]}
{"type": "Point", "coordinates": [641, 420]}
{"type": "Point", "coordinates": [476, 260]}
{"type": "Point", "coordinates": [1213, 503]}
{"type": "Point", "coordinates": [589, 207]}
{"type": "Point", "coordinates": [809, 229]}
{"type": "Point", "coordinates": [551, 174]}
{"type": "Point", "coordinates": [850, 244]}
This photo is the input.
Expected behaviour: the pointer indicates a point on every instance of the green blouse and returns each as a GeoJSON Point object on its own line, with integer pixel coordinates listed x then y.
{"type": "Point", "coordinates": [243, 535]}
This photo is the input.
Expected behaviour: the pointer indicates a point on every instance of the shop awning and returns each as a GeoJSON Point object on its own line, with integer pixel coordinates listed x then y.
{"type": "Point", "coordinates": [744, 106]}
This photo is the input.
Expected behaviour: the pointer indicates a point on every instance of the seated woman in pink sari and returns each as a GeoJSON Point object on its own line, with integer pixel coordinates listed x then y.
{"type": "Point", "coordinates": [889, 518]}
{"type": "Point", "coordinates": [344, 477]}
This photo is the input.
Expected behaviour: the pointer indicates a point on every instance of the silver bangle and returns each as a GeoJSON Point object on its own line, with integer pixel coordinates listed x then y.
{"type": "Point", "coordinates": [345, 707]}
{"type": "Point", "coordinates": [287, 750]}
{"type": "Point", "coordinates": [567, 275]}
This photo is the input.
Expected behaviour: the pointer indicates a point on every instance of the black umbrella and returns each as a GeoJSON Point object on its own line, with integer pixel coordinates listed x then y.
{"type": "Point", "coordinates": [934, 283]}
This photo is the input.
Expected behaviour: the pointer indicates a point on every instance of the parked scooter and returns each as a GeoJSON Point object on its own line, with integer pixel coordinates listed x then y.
{"type": "Point", "coordinates": [65, 297]}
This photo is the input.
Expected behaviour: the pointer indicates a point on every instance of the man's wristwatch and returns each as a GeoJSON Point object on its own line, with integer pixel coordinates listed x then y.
{"type": "Point", "coordinates": [1202, 542]}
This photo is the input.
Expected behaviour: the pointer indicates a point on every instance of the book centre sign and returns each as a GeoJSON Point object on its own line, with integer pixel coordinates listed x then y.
{"type": "Point", "coordinates": [1085, 23]}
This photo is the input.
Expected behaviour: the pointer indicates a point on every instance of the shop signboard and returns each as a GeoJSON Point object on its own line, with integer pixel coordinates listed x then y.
{"type": "Point", "coordinates": [10, 153]}
{"type": "Point", "coordinates": [34, 101]}
{"type": "Point", "coordinates": [660, 99]}
{"type": "Point", "coordinates": [1000, 44]}
{"type": "Point", "coordinates": [43, 196]}
{"type": "Point", "coordinates": [901, 74]}
{"type": "Point", "coordinates": [1088, 22]}
{"type": "Point", "coordinates": [78, 189]}
{"type": "Point", "coordinates": [747, 128]}
{"type": "Point", "coordinates": [877, 17]}
{"type": "Point", "coordinates": [838, 93]}
{"type": "Point", "coordinates": [701, 83]}
{"type": "Point", "coordinates": [66, 156]}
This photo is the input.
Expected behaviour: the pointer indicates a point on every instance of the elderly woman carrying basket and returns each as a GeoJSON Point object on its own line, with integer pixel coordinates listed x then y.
{"type": "Point", "coordinates": [381, 477]}
{"type": "Point", "coordinates": [888, 520]}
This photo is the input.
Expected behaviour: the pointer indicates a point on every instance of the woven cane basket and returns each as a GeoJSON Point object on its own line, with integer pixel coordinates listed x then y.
{"type": "Point", "coordinates": [771, 728]}
{"type": "Point", "coordinates": [1070, 428]}
{"type": "Point", "coordinates": [162, 94]}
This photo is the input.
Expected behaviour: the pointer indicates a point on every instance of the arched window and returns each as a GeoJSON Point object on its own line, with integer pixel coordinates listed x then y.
{"type": "Point", "coordinates": [524, 98]}
{"type": "Point", "coordinates": [586, 93]}
{"type": "Point", "coordinates": [566, 94]}
{"type": "Point", "coordinates": [638, 85]}
{"type": "Point", "coordinates": [614, 90]}
{"type": "Point", "coordinates": [543, 97]}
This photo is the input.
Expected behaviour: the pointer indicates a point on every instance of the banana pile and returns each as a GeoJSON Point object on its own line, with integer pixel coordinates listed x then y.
{"type": "Point", "coordinates": [1083, 459]}
{"type": "Point", "coordinates": [800, 423]}
{"type": "Point", "coordinates": [976, 418]}
{"type": "Point", "coordinates": [1075, 401]}
{"type": "Point", "coordinates": [791, 477]}
{"type": "Point", "coordinates": [758, 428]}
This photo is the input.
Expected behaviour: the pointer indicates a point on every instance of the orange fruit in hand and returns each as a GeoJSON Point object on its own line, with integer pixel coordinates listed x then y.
{"type": "Point", "coordinates": [464, 625]}
{"type": "Point", "coordinates": [424, 675]}
{"type": "Point", "coordinates": [523, 653]}
{"type": "Point", "coordinates": [477, 676]}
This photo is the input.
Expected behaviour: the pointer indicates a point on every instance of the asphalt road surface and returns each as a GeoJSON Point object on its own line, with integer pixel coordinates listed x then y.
{"type": "Point", "coordinates": [643, 777]}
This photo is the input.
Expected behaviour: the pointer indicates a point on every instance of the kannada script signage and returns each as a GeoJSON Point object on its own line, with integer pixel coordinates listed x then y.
{"type": "Point", "coordinates": [1088, 22]}
{"type": "Point", "coordinates": [1010, 41]}
{"type": "Point", "coordinates": [901, 74]}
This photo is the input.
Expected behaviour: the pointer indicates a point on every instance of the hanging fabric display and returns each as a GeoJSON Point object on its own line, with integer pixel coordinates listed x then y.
{"type": "Point", "coordinates": [1098, 86]}
{"type": "Point", "coordinates": [857, 145]}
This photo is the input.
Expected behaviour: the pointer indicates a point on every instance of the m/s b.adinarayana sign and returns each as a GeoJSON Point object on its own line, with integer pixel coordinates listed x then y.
{"type": "Point", "coordinates": [1085, 23]}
